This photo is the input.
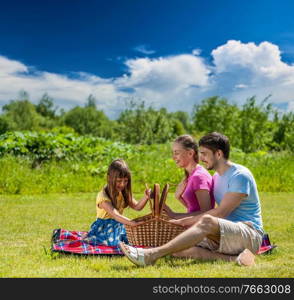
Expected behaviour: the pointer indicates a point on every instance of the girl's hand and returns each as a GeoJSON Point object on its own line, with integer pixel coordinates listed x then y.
{"type": "Point", "coordinates": [147, 192]}
{"type": "Point", "coordinates": [134, 223]}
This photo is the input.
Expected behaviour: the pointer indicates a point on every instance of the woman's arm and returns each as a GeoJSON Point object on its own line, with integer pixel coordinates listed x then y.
{"type": "Point", "coordinates": [184, 215]}
{"type": "Point", "coordinates": [180, 190]}
{"type": "Point", "coordinates": [114, 213]}
{"type": "Point", "coordinates": [204, 203]}
{"type": "Point", "coordinates": [204, 200]}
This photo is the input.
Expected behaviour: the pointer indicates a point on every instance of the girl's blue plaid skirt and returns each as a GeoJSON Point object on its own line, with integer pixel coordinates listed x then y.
{"type": "Point", "coordinates": [107, 232]}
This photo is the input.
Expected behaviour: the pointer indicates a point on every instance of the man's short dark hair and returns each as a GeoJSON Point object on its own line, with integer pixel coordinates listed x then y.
{"type": "Point", "coordinates": [216, 141]}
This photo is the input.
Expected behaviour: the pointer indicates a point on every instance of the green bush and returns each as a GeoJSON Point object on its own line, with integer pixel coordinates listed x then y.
{"type": "Point", "coordinates": [84, 170]}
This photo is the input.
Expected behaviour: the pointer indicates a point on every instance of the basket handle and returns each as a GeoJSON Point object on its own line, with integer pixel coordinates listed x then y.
{"type": "Point", "coordinates": [163, 197]}
{"type": "Point", "coordinates": [150, 199]}
{"type": "Point", "coordinates": [156, 193]}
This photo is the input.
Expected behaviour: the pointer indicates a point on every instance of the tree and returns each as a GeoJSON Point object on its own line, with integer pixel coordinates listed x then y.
{"type": "Point", "coordinates": [45, 107]}
{"type": "Point", "coordinates": [184, 118]}
{"type": "Point", "coordinates": [283, 137]}
{"type": "Point", "coordinates": [255, 128]}
{"type": "Point", "coordinates": [91, 101]}
{"type": "Point", "coordinates": [88, 120]}
{"type": "Point", "coordinates": [4, 124]}
{"type": "Point", "coordinates": [216, 114]}
{"type": "Point", "coordinates": [141, 125]}
{"type": "Point", "coordinates": [21, 115]}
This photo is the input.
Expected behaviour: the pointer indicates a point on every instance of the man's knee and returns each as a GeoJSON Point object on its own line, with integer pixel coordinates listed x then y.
{"type": "Point", "coordinates": [207, 223]}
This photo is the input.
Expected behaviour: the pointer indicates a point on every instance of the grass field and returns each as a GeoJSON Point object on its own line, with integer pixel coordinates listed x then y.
{"type": "Point", "coordinates": [27, 222]}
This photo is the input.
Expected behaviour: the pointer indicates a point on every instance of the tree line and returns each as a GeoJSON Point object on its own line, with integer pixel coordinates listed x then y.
{"type": "Point", "coordinates": [251, 127]}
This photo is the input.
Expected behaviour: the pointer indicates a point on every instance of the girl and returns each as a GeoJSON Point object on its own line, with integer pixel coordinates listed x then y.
{"type": "Point", "coordinates": [108, 229]}
{"type": "Point", "coordinates": [195, 190]}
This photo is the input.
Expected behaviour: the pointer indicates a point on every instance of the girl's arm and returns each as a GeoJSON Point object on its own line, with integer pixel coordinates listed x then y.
{"type": "Point", "coordinates": [114, 213]}
{"type": "Point", "coordinates": [141, 204]}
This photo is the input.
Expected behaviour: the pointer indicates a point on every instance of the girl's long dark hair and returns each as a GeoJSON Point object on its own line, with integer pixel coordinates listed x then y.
{"type": "Point", "coordinates": [118, 169]}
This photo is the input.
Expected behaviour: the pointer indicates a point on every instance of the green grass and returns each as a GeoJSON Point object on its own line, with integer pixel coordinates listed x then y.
{"type": "Point", "coordinates": [27, 222]}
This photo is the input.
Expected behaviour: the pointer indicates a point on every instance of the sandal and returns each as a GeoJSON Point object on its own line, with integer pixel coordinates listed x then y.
{"type": "Point", "coordinates": [135, 255]}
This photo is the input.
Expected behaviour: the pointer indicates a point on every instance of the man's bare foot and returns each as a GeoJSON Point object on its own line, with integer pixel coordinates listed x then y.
{"type": "Point", "coordinates": [246, 258]}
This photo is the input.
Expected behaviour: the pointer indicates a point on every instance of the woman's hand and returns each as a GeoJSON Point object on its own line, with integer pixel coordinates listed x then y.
{"type": "Point", "coordinates": [176, 222]}
{"type": "Point", "coordinates": [168, 211]}
{"type": "Point", "coordinates": [180, 222]}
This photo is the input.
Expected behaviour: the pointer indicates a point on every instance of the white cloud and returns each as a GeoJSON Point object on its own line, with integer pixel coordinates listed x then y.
{"type": "Point", "coordinates": [8, 66]}
{"type": "Point", "coordinates": [165, 81]}
{"type": "Point", "coordinates": [175, 72]}
{"type": "Point", "coordinates": [144, 49]}
{"type": "Point", "coordinates": [263, 60]}
{"type": "Point", "coordinates": [253, 69]}
{"type": "Point", "coordinates": [241, 86]}
{"type": "Point", "coordinates": [237, 71]}
{"type": "Point", "coordinates": [66, 91]}
{"type": "Point", "coordinates": [196, 52]}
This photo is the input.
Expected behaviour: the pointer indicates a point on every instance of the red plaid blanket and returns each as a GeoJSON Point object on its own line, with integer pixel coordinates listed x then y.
{"type": "Point", "coordinates": [266, 246]}
{"type": "Point", "coordinates": [72, 242]}
{"type": "Point", "coordinates": [66, 241]}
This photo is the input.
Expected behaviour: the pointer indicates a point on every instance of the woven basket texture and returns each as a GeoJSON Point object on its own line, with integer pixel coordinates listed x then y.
{"type": "Point", "coordinates": [154, 232]}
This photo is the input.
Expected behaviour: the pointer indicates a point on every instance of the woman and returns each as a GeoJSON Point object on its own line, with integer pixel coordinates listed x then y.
{"type": "Point", "coordinates": [195, 190]}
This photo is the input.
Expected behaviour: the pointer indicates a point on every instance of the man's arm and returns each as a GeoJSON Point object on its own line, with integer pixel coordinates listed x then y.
{"type": "Point", "coordinates": [230, 202]}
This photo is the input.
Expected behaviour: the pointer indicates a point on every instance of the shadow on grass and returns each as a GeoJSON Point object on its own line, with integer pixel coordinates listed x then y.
{"type": "Point", "coordinates": [167, 261]}
{"type": "Point", "coordinates": [123, 268]}
{"type": "Point", "coordinates": [179, 262]}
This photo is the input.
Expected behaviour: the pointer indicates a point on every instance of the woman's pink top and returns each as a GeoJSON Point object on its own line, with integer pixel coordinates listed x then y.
{"type": "Point", "coordinates": [200, 179]}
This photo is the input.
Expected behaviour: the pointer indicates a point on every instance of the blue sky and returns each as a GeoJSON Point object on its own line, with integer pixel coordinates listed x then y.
{"type": "Point", "coordinates": [168, 53]}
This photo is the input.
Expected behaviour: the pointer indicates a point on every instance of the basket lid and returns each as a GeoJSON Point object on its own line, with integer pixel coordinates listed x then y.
{"type": "Point", "coordinates": [156, 193]}
{"type": "Point", "coordinates": [163, 197]}
{"type": "Point", "coordinates": [158, 201]}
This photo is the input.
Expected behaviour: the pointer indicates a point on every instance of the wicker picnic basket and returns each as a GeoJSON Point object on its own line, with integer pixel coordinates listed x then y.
{"type": "Point", "coordinates": [155, 229]}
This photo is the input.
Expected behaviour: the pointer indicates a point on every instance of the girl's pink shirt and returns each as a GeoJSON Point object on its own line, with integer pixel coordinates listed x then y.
{"type": "Point", "coordinates": [200, 179]}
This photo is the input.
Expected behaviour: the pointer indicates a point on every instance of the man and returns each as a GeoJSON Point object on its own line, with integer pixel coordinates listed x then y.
{"type": "Point", "coordinates": [232, 231]}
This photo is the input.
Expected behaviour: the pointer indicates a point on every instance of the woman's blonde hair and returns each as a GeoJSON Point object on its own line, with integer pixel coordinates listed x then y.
{"type": "Point", "coordinates": [118, 169]}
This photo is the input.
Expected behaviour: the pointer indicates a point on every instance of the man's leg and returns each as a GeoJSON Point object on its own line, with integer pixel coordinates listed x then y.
{"type": "Point", "coordinates": [207, 226]}
{"type": "Point", "coordinates": [185, 244]}
{"type": "Point", "coordinates": [205, 254]}
{"type": "Point", "coordinates": [245, 258]}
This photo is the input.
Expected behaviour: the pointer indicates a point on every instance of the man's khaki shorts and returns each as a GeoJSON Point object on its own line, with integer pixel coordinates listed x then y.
{"type": "Point", "coordinates": [234, 238]}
